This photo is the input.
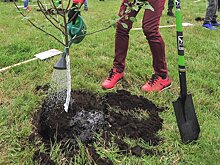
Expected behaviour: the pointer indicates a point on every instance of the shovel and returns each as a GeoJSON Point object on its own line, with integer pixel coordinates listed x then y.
{"type": "Point", "coordinates": [183, 107]}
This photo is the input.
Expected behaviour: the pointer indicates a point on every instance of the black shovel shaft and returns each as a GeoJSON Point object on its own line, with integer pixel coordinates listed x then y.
{"type": "Point", "coordinates": [183, 87]}
{"type": "Point", "coordinates": [180, 48]}
{"type": "Point", "coordinates": [184, 109]}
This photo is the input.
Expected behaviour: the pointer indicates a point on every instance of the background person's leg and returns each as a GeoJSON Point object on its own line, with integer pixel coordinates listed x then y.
{"type": "Point", "coordinates": [86, 5]}
{"type": "Point", "coordinates": [214, 18]}
{"type": "Point", "coordinates": [210, 14]}
{"type": "Point", "coordinates": [170, 8]}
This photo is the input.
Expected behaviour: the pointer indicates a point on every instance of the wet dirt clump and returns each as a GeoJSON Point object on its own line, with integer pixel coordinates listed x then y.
{"type": "Point", "coordinates": [111, 115]}
{"type": "Point", "coordinates": [85, 116]}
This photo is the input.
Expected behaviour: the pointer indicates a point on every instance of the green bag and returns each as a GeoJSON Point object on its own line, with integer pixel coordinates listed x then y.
{"type": "Point", "coordinates": [77, 31]}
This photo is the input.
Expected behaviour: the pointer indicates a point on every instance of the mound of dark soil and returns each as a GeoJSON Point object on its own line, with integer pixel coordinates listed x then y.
{"type": "Point", "coordinates": [110, 115]}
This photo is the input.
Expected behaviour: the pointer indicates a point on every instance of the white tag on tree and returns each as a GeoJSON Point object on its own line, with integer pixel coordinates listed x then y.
{"type": "Point", "coordinates": [47, 54]}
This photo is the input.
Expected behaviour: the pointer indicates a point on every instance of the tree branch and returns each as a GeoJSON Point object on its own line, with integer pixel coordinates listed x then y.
{"type": "Point", "coordinates": [68, 5]}
{"type": "Point", "coordinates": [51, 16]}
{"type": "Point", "coordinates": [42, 7]}
{"type": "Point", "coordinates": [33, 24]}
{"type": "Point", "coordinates": [54, 6]}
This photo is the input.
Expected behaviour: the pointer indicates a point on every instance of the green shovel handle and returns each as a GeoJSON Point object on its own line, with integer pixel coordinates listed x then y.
{"type": "Point", "coordinates": [180, 49]}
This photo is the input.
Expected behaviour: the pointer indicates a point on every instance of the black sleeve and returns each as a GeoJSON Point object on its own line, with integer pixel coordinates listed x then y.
{"type": "Point", "coordinates": [73, 13]}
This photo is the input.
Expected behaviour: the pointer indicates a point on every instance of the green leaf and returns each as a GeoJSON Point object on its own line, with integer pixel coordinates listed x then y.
{"type": "Point", "coordinates": [113, 25]}
{"type": "Point", "coordinates": [133, 19]}
{"type": "Point", "coordinates": [148, 6]}
{"type": "Point", "coordinates": [122, 12]}
{"type": "Point", "coordinates": [124, 25]}
{"type": "Point", "coordinates": [126, 4]}
{"type": "Point", "coordinates": [128, 10]}
{"type": "Point", "coordinates": [118, 19]}
{"type": "Point", "coordinates": [136, 8]}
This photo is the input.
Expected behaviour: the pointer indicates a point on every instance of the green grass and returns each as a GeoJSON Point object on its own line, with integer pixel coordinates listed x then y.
{"type": "Point", "coordinates": [90, 62]}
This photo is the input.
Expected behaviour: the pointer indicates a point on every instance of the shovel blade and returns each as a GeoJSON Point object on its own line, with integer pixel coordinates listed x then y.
{"type": "Point", "coordinates": [186, 119]}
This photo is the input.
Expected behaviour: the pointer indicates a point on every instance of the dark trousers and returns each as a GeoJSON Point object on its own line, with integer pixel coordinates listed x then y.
{"type": "Point", "coordinates": [218, 4]}
{"type": "Point", "coordinates": [211, 11]}
{"type": "Point", "coordinates": [170, 4]}
{"type": "Point", "coordinates": [150, 26]}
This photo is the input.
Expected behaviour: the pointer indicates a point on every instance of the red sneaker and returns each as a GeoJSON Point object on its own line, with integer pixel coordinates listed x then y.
{"type": "Point", "coordinates": [28, 8]}
{"type": "Point", "coordinates": [157, 84]}
{"type": "Point", "coordinates": [112, 79]}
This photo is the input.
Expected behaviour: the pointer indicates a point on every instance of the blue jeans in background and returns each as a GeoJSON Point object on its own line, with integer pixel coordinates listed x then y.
{"type": "Point", "coordinates": [25, 4]}
{"type": "Point", "coordinates": [86, 5]}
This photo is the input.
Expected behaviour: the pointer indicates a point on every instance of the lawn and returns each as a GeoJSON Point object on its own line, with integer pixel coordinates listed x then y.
{"type": "Point", "coordinates": [90, 63]}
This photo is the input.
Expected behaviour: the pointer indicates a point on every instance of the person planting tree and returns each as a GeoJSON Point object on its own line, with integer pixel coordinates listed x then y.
{"type": "Point", "coordinates": [150, 24]}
